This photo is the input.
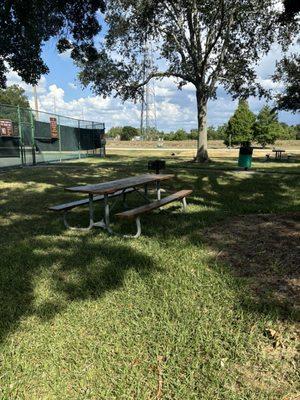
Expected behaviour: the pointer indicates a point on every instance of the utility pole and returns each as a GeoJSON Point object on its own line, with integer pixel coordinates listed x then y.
{"type": "Point", "coordinates": [148, 103]}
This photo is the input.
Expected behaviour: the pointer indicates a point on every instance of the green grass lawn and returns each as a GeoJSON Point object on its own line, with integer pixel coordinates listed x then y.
{"type": "Point", "coordinates": [91, 316]}
{"type": "Point", "coordinates": [219, 161]}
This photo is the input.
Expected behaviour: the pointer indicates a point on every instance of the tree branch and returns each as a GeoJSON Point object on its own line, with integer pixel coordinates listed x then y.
{"type": "Point", "coordinates": [214, 75]}
{"type": "Point", "coordinates": [163, 74]}
{"type": "Point", "coordinates": [213, 43]}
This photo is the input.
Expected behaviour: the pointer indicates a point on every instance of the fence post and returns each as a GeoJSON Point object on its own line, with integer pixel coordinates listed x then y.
{"type": "Point", "coordinates": [23, 152]}
{"type": "Point", "coordinates": [32, 137]}
{"type": "Point", "coordinates": [94, 139]}
{"type": "Point", "coordinates": [79, 144]}
{"type": "Point", "coordinates": [59, 139]}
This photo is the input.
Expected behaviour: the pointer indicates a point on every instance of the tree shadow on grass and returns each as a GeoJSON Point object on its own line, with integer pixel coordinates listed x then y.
{"type": "Point", "coordinates": [75, 267]}
{"type": "Point", "coordinates": [263, 251]}
{"type": "Point", "coordinates": [35, 248]}
{"type": "Point", "coordinates": [243, 222]}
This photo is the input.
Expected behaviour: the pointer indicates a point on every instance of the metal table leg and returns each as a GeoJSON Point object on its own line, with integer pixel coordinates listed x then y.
{"type": "Point", "coordinates": [91, 213]}
{"type": "Point", "coordinates": [106, 210]}
{"type": "Point", "coordinates": [91, 209]}
{"type": "Point", "coordinates": [106, 214]}
{"type": "Point", "coordinates": [158, 190]}
{"type": "Point", "coordinates": [124, 199]}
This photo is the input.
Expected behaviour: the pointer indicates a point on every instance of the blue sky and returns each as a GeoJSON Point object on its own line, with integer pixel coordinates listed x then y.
{"type": "Point", "coordinates": [60, 91]}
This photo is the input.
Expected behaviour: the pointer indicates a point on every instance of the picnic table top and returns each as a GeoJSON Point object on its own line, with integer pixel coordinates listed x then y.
{"type": "Point", "coordinates": [119, 184]}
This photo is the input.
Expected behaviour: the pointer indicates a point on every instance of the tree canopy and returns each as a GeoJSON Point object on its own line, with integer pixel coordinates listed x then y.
{"type": "Point", "coordinates": [288, 71]}
{"type": "Point", "coordinates": [266, 128]}
{"type": "Point", "coordinates": [15, 96]}
{"type": "Point", "coordinates": [204, 43]}
{"type": "Point", "coordinates": [291, 9]}
{"type": "Point", "coordinates": [114, 132]}
{"type": "Point", "coordinates": [240, 125]}
{"type": "Point", "coordinates": [129, 132]}
{"type": "Point", "coordinates": [27, 25]}
{"type": "Point", "coordinates": [10, 99]}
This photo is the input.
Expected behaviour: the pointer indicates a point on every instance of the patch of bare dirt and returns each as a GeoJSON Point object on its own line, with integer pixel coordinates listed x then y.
{"type": "Point", "coordinates": [264, 248]}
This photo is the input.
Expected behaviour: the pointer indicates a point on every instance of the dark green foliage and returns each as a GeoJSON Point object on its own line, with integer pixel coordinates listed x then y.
{"type": "Point", "coordinates": [26, 25]}
{"type": "Point", "coordinates": [266, 128]}
{"type": "Point", "coordinates": [180, 134]}
{"type": "Point", "coordinates": [291, 9]}
{"type": "Point", "coordinates": [297, 131]}
{"type": "Point", "coordinates": [128, 133]}
{"type": "Point", "coordinates": [151, 133]}
{"type": "Point", "coordinates": [114, 132]}
{"type": "Point", "coordinates": [15, 96]}
{"type": "Point", "coordinates": [240, 125]}
{"type": "Point", "coordinates": [288, 71]}
{"type": "Point", "coordinates": [287, 132]}
{"type": "Point", "coordinates": [216, 133]}
{"type": "Point", "coordinates": [10, 98]}
{"type": "Point", "coordinates": [194, 134]}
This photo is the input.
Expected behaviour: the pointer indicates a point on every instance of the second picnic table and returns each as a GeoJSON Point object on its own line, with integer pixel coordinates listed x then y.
{"type": "Point", "coordinates": [278, 153]}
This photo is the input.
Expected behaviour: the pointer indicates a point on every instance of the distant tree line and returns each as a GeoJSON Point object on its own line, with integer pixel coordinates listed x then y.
{"type": "Point", "coordinates": [244, 126]}
{"type": "Point", "coordinates": [263, 128]}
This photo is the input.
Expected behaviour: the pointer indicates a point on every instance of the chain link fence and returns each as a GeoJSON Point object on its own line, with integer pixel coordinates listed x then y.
{"type": "Point", "coordinates": [29, 136]}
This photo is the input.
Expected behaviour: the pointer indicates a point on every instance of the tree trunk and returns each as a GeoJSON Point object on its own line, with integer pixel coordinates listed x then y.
{"type": "Point", "coordinates": [202, 154]}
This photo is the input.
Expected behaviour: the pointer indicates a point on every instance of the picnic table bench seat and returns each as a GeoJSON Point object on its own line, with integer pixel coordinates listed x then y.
{"type": "Point", "coordinates": [64, 208]}
{"type": "Point", "coordinates": [77, 203]}
{"type": "Point", "coordinates": [147, 208]}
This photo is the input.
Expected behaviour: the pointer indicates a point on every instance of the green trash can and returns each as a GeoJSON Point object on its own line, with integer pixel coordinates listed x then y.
{"type": "Point", "coordinates": [245, 156]}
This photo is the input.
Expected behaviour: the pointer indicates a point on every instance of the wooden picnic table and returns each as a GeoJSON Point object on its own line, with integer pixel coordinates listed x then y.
{"type": "Point", "coordinates": [278, 153]}
{"type": "Point", "coordinates": [119, 185]}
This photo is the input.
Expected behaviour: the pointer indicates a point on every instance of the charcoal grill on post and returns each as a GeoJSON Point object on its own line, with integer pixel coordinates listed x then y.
{"type": "Point", "coordinates": [156, 165]}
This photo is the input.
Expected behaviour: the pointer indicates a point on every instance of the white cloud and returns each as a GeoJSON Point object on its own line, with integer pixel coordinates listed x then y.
{"type": "Point", "coordinates": [14, 79]}
{"type": "Point", "coordinates": [72, 85]}
{"type": "Point", "coordinates": [269, 84]}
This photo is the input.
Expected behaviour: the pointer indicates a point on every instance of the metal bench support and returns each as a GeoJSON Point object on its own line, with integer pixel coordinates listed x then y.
{"type": "Point", "coordinates": [75, 228]}
{"type": "Point", "coordinates": [91, 212]}
{"type": "Point", "coordinates": [138, 230]}
{"type": "Point", "coordinates": [184, 204]}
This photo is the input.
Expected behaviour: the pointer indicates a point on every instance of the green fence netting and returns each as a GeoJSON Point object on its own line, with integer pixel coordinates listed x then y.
{"type": "Point", "coordinates": [29, 136]}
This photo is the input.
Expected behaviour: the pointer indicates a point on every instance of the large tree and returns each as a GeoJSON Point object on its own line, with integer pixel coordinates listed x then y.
{"type": "Point", "coordinates": [267, 128]}
{"type": "Point", "coordinates": [25, 25]}
{"type": "Point", "coordinates": [240, 126]}
{"type": "Point", "coordinates": [204, 43]}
